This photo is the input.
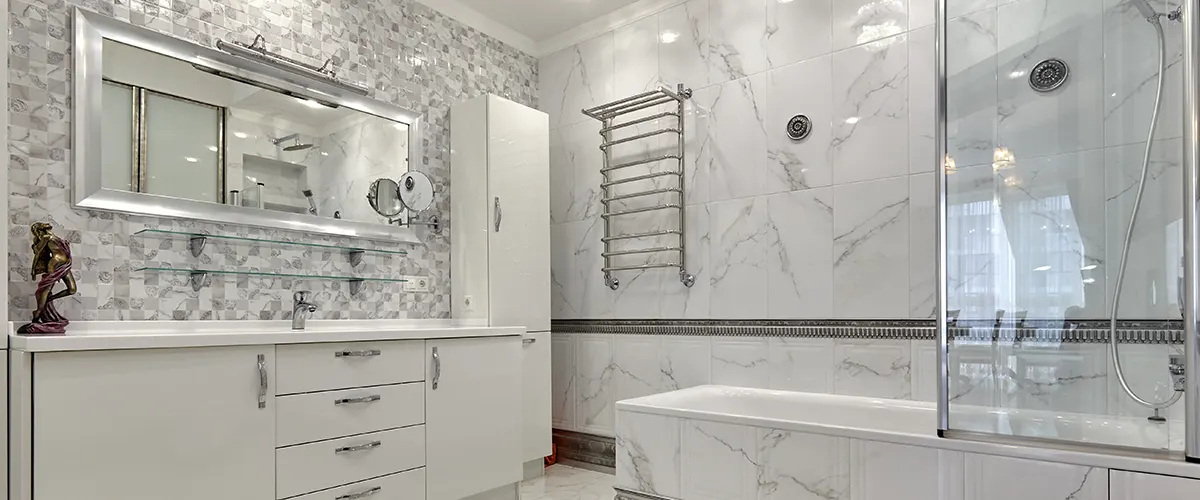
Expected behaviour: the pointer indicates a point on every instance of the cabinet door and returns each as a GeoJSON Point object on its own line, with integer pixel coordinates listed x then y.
{"type": "Point", "coordinates": [535, 396]}
{"type": "Point", "coordinates": [472, 416]}
{"type": "Point", "coordinates": [1136, 486]}
{"type": "Point", "coordinates": [519, 198]}
{"type": "Point", "coordinates": [184, 424]}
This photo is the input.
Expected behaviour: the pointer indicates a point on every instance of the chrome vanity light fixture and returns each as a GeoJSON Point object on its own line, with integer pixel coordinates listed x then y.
{"type": "Point", "coordinates": [258, 50]}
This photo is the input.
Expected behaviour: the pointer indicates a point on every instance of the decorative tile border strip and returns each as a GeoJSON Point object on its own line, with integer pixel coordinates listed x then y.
{"type": "Point", "coordinates": [586, 448]}
{"type": "Point", "coordinates": [1007, 332]}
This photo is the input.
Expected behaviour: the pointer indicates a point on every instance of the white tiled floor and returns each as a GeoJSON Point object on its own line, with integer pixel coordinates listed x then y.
{"type": "Point", "coordinates": [568, 483]}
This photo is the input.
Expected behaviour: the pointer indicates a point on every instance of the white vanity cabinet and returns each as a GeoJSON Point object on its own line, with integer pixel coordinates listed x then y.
{"type": "Point", "coordinates": [1126, 485]}
{"type": "Point", "coordinates": [500, 269]}
{"type": "Point", "coordinates": [148, 424]}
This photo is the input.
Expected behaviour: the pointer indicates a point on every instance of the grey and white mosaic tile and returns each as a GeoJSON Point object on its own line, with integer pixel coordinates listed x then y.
{"type": "Point", "coordinates": [407, 53]}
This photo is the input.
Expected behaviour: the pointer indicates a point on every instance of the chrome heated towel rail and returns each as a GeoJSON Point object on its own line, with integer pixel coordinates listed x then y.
{"type": "Point", "coordinates": [607, 114]}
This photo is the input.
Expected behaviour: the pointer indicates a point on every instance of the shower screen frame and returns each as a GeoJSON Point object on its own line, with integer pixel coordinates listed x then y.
{"type": "Point", "coordinates": [1191, 242]}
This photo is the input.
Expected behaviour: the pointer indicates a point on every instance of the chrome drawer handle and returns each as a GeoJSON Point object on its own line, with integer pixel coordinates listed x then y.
{"type": "Point", "coordinates": [357, 401]}
{"type": "Point", "coordinates": [361, 494]}
{"type": "Point", "coordinates": [263, 381]}
{"type": "Point", "coordinates": [362, 447]}
{"type": "Point", "coordinates": [528, 341]}
{"type": "Point", "coordinates": [357, 354]}
{"type": "Point", "coordinates": [437, 368]}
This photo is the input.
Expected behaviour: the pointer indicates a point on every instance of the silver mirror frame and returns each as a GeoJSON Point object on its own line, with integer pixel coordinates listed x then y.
{"type": "Point", "coordinates": [90, 31]}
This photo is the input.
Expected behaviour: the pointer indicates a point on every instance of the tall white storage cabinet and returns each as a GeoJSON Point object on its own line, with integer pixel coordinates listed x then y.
{"type": "Point", "coordinates": [500, 265]}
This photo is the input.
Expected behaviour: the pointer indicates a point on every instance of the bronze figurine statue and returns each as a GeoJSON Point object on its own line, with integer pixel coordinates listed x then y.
{"type": "Point", "coordinates": [52, 260]}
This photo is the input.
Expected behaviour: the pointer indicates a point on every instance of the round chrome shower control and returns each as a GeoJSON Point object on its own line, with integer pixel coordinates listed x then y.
{"type": "Point", "coordinates": [1048, 75]}
{"type": "Point", "coordinates": [799, 127]}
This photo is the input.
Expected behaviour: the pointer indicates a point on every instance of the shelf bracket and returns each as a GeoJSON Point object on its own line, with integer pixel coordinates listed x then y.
{"type": "Point", "coordinates": [197, 279]}
{"type": "Point", "coordinates": [355, 286]}
{"type": "Point", "coordinates": [196, 245]}
{"type": "Point", "coordinates": [356, 257]}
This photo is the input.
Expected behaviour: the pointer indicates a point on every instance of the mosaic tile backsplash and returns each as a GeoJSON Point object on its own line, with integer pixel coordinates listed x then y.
{"type": "Point", "coordinates": [409, 54]}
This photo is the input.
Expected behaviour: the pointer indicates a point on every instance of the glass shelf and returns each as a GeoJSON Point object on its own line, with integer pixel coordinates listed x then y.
{"type": "Point", "coordinates": [197, 276]}
{"type": "Point", "coordinates": [196, 243]}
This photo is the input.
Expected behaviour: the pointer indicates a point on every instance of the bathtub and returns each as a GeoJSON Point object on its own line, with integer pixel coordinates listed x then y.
{"type": "Point", "coordinates": [727, 443]}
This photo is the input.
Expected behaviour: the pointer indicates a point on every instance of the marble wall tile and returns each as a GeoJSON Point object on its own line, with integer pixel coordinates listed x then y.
{"type": "Point", "coordinates": [922, 91]}
{"type": "Point", "coordinates": [974, 262]}
{"type": "Point", "coordinates": [685, 362]}
{"type": "Point", "coordinates": [649, 453]}
{"type": "Point", "coordinates": [1145, 369]}
{"type": "Point", "coordinates": [683, 44]}
{"type": "Point", "coordinates": [924, 370]}
{"type": "Point", "coordinates": [562, 381]}
{"type": "Point", "coordinates": [635, 366]}
{"type": "Point", "coordinates": [971, 80]}
{"type": "Point", "coordinates": [922, 247]}
{"type": "Point", "coordinates": [800, 466]}
{"type": "Point", "coordinates": [870, 271]}
{"type": "Point", "coordinates": [921, 13]}
{"type": "Point", "coordinates": [741, 244]}
{"type": "Point", "coordinates": [990, 477]}
{"type": "Point", "coordinates": [1068, 378]}
{"type": "Point", "coordinates": [594, 371]}
{"type": "Point", "coordinates": [797, 30]}
{"type": "Point", "coordinates": [799, 89]}
{"type": "Point", "coordinates": [677, 300]}
{"type": "Point", "coordinates": [575, 163]}
{"type": "Point", "coordinates": [698, 146]}
{"type": "Point", "coordinates": [1070, 118]}
{"type": "Point", "coordinates": [1151, 286]}
{"type": "Point", "coordinates": [636, 54]}
{"type": "Point", "coordinates": [741, 362]}
{"type": "Point", "coordinates": [885, 471]}
{"type": "Point", "coordinates": [1131, 73]}
{"type": "Point", "coordinates": [857, 22]}
{"type": "Point", "coordinates": [870, 110]}
{"type": "Point", "coordinates": [800, 264]}
{"type": "Point", "coordinates": [737, 39]}
{"type": "Point", "coordinates": [576, 78]}
{"type": "Point", "coordinates": [720, 461]}
{"type": "Point", "coordinates": [803, 365]}
{"type": "Point", "coordinates": [577, 287]}
{"type": "Point", "coordinates": [881, 369]}
{"type": "Point", "coordinates": [736, 126]}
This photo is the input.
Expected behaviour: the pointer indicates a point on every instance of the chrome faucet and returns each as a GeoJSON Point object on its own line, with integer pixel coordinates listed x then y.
{"type": "Point", "coordinates": [301, 306]}
{"type": "Point", "coordinates": [1175, 366]}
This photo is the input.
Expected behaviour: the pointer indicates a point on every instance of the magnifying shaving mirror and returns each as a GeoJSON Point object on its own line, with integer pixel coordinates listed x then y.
{"type": "Point", "coordinates": [413, 193]}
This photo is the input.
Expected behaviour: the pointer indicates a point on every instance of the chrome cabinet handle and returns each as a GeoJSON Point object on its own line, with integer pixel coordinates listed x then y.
{"type": "Point", "coordinates": [528, 341]}
{"type": "Point", "coordinates": [361, 494]}
{"type": "Point", "coordinates": [499, 214]}
{"type": "Point", "coordinates": [362, 447]}
{"type": "Point", "coordinates": [262, 381]}
{"type": "Point", "coordinates": [437, 368]}
{"type": "Point", "coordinates": [357, 401]}
{"type": "Point", "coordinates": [357, 354]}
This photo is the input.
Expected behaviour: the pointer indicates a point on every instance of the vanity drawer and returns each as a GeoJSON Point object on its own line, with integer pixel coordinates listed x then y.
{"type": "Point", "coordinates": [330, 366]}
{"type": "Point", "coordinates": [303, 418]}
{"type": "Point", "coordinates": [324, 464]}
{"type": "Point", "coordinates": [407, 485]}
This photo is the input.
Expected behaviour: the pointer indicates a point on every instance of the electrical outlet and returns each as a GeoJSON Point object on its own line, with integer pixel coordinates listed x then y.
{"type": "Point", "coordinates": [417, 283]}
{"type": "Point", "coordinates": [469, 303]}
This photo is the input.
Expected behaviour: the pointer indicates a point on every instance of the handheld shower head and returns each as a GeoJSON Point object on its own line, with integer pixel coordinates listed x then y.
{"type": "Point", "coordinates": [1148, 12]}
{"type": "Point", "coordinates": [312, 204]}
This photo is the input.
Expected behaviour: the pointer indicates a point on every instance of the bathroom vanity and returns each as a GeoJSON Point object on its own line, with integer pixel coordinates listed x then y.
{"type": "Point", "coordinates": [341, 411]}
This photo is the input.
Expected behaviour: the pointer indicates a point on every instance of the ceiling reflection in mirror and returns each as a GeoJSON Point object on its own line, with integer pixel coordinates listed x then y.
{"type": "Point", "coordinates": [173, 130]}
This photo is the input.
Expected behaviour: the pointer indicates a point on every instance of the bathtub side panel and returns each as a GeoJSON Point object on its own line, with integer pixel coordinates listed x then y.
{"type": "Point", "coordinates": [648, 453]}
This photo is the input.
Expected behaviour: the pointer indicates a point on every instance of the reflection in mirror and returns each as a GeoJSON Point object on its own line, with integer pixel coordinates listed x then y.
{"type": "Point", "coordinates": [384, 197]}
{"type": "Point", "coordinates": [173, 130]}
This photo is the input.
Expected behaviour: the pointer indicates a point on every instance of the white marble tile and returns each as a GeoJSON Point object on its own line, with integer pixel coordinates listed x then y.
{"type": "Point", "coordinates": [741, 245]}
{"type": "Point", "coordinates": [1131, 74]}
{"type": "Point", "coordinates": [635, 57]}
{"type": "Point", "coordinates": [921, 13]}
{"type": "Point", "coordinates": [1151, 287]}
{"type": "Point", "coordinates": [861, 21]}
{"type": "Point", "coordinates": [800, 466]}
{"type": "Point", "coordinates": [561, 482]}
{"type": "Point", "coordinates": [974, 250]}
{"type": "Point", "coordinates": [924, 370]}
{"type": "Point", "coordinates": [976, 375]}
{"type": "Point", "coordinates": [990, 477]}
{"type": "Point", "coordinates": [797, 30]}
{"type": "Point", "coordinates": [1052, 218]}
{"type": "Point", "coordinates": [799, 89]}
{"type": "Point", "coordinates": [562, 381]}
{"type": "Point", "coordinates": [576, 282]}
{"type": "Point", "coordinates": [594, 384]}
{"type": "Point", "coordinates": [870, 111]}
{"type": "Point", "coordinates": [800, 265]}
{"type": "Point", "coordinates": [719, 461]}
{"type": "Point", "coordinates": [685, 362]}
{"type": "Point", "coordinates": [1145, 369]}
{"type": "Point", "coordinates": [922, 247]}
{"type": "Point", "coordinates": [679, 301]}
{"type": "Point", "coordinates": [741, 362]}
{"type": "Point", "coordinates": [958, 8]}
{"type": "Point", "coordinates": [873, 368]}
{"type": "Point", "coordinates": [1066, 378]}
{"type": "Point", "coordinates": [648, 453]}
{"type": "Point", "coordinates": [971, 111]}
{"type": "Point", "coordinates": [575, 78]}
{"type": "Point", "coordinates": [1070, 118]}
{"type": "Point", "coordinates": [683, 44]}
{"type": "Point", "coordinates": [870, 247]}
{"type": "Point", "coordinates": [736, 124]}
{"type": "Point", "coordinates": [575, 163]}
{"type": "Point", "coordinates": [698, 148]}
{"type": "Point", "coordinates": [803, 365]}
{"type": "Point", "coordinates": [636, 366]}
{"type": "Point", "coordinates": [922, 90]}
{"type": "Point", "coordinates": [885, 471]}
{"type": "Point", "coordinates": [737, 39]}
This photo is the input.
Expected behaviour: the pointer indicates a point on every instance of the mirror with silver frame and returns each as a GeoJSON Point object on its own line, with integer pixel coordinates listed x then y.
{"type": "Point", "coordinates": [165, 127]}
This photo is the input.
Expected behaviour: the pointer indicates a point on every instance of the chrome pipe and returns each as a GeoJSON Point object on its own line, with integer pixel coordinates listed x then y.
{"type": "Point", "coordinates": [637, 121]}
{"type": "Point", "coordinates": [638, 178]}
{"type": "Point", "coordinates": [597, 109]}
{"type": "Point", "coordinates": [612, 110]}
{"type": "Point", "coordinates": [665, 206]}
{"type": "Point", "coordinates": [643, 266]}
{"type": "Point", "coordinates": [643, 250]}
{"type": "Point", "coordinates": [940, 159]}
{"type": "Point", "coordinates": [639, 137]}
{"type": "Point", "coordinates": [1191, 244]}
{"type": "Point", "coordinates": [649, 104]}
{"type": "Point", "coordinates": [631, 236]}
{"type": "Point", "coordinates": [640, 162]}
{"type": "Point", "coordinates": [644, 193]}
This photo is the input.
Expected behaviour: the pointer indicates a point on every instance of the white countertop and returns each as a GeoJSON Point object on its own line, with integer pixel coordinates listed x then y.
{"type": "Point", "coordinates": [106, 335]}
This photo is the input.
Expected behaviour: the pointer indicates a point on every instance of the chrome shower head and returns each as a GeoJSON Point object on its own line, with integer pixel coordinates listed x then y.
{"type": "Point", "coordinates": [1145, 9]}
{"type": "Point", "coordinates": [298, 146]}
